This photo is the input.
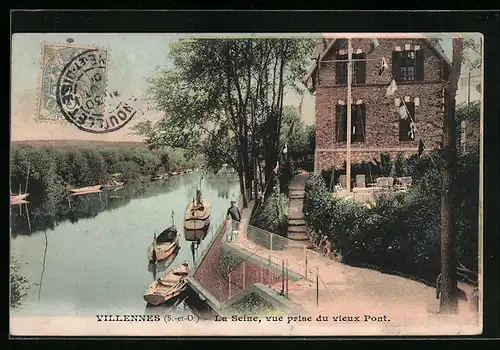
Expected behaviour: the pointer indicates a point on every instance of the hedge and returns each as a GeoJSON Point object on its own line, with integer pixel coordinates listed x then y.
{"type": "Point", "coordinates": [400, 232]}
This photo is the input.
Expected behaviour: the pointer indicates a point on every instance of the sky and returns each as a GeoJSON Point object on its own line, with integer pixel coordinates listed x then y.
{"type": "Point", "coordinates": [133, 58]}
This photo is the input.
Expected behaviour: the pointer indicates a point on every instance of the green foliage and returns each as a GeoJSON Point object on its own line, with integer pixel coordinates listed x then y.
{"type": "Point", "coordinates": [302, 141]}
{"type": "Point", "coordinates": [252, 305]}
{"type": "Point", "coordinates": [225, 96]}
{"type": "Point", "coordinates": [385, 164]}
{"type": "Point", "coordinates": [400, 232]}
{"type": "Point", "coordinates": [272, 215]}
{"type": "Point", "coordinates": [400, 165]}
{"type": "Point", "coordinates": [51, 170]}
{"type": "Point", "coordinates": [19, 285]}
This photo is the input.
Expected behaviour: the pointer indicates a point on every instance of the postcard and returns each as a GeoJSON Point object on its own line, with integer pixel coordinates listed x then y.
{"type": "Point", "coordinates": [216, 184]}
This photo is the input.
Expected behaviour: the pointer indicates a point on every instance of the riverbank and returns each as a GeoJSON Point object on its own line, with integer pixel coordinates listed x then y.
{"type": "Point", "coordinates": [109, 270]}
{"type": "Point", "coordinates": [48, 171]}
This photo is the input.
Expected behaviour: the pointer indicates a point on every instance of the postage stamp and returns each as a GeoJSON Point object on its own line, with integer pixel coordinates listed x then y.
{"type": "Point", "coordinates": [54, 58]}
{"type": "Point", "coordinates": [81, 95]}
{"type": "Point", "coordinates": [242, 196]}
{"type": "Point", "coordinates": [73, 89]}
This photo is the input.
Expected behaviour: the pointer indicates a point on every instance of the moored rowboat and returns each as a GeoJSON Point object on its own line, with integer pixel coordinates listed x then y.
{"type": "Point", "coordinates": [197, 216]}
{"type": "Point", "coordinates": [19, 198]}
{"type": "Point", "coordinates": [168, 286]}
{"type": "Point", "coordinates": [113, 185]}
{"type": "Point", "coordinates": [164, 245]}
{"type": "Point", "coordinates": [87, 189]}
{"type": "Point", "coordinates": [195, 235]}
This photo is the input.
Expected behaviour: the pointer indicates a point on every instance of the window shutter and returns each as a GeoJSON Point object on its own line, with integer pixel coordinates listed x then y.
{"type": "Point", "coordinates": [362, 122]}
{"type": "Point", "coordinates": [411, 109]}
{"type": "Point", "coordinates": [338, 124]}
{"type": "Point", "coordinates": [419, 65]}
{"type": "Point", "coordinates": [396, 64]}
{"type": "Point", "coordinates": [338, 70]}
{"type": "Point", "coordinates": [361, 68]}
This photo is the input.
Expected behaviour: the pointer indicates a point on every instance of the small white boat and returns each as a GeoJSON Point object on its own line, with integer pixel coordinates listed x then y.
{"type": "Point", "coordinates": [88, 189]}
{"type": "Point", "coordinates": [18, 199]}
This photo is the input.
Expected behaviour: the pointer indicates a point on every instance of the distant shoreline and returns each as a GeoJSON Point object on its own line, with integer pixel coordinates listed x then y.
{"type": "Point", "coordinates": [72, 143]}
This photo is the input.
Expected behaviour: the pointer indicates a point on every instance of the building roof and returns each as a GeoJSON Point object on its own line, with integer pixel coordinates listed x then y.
{"type": "Point", "coordinates": [434, 47]}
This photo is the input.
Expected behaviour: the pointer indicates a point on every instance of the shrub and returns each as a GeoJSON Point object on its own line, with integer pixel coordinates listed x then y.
{"type": "Point", "coordinates": [400, 232]}
{"type": "Point", "coordinates": [400, 165]}
{"type": "Point", "coordinates": [19, 285]}
{"type": "Point", "coordinates": [130, 171]}
{"type": "Point", "coordinates": [272, 216]}
{"type": "Point", "coordinates": [53, 169]}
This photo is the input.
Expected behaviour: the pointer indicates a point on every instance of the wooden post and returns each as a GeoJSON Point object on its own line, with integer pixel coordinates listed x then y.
{"type": "Point", "coordinates": [243, 275]}
{"type": "Point", "coordinates": [28, 216]}
{"type": "Point", "coordinates": [287, 278]}
{"type": "Point", "coordinates": [282, 276]}
{"type": "Point", "coordinates": [349, 127]}
{"type": "Point", "coordinates": [317, 288]}
{"type": "Point", "coordinates": [270, 272]}
{"type": "Point", "coordinates": [261, 274]}
{"type": "Point", "coordinates": [305, 261]}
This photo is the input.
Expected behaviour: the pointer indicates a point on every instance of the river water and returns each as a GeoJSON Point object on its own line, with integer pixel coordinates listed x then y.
{"type": "Point", "coordinates": [89, 256]}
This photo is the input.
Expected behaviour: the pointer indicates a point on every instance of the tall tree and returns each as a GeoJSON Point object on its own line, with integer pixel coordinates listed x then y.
{"type": "Point", "coordinates": [449, 298]}
{"type": "Point", "coordinates": [224, 98]}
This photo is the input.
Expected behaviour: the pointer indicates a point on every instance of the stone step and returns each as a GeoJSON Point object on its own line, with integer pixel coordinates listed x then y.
{"type": "Point", "coordinates": [297, 196]}
{"type": "Point", "coordinates": [298, 229]}
{"type": "Point", "coordinates": [296, 222]}
{"type": "Point", "coordinates": [298, 236]}
{"type": "Point", "coordinates": [298, 215]}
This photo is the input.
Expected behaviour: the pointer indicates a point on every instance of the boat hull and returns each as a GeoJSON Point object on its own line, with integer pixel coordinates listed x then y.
{"type": "Point", "coordinates": [19, 199]}
{"type": "Point", "coordinates": [197, 217]}
{"type": "Point", "coordinates": [168, 286]}
{"type": "Point", "coordinates": [195, 235]}
{"type": "Point", "coordinates": [164, 250]}
{"type": "Point", "coordinates": [86, 189]}
{"type": "Point", "coordinates": [157, 299]}
{"type": "Point", "coordinates": [196, 225]}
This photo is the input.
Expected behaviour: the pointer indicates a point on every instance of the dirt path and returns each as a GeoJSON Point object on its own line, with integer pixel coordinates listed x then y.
{"type": "Point", "coordinates": [350, 291]}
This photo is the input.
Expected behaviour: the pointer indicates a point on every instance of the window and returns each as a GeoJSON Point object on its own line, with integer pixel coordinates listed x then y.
{"type": "Point", "coordinates": [358, 69]}
{"type": "Point", "coordinates": [405, 124]}
{"type": "Point", "coordinates": [408, 65]}
{"type": "Point", "coordinates": [358, 123]}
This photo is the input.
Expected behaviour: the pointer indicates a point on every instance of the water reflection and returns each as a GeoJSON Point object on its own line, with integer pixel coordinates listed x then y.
{"type": "Point", "coordinates": [162, 265]}
{"type": "Point", "coordinates": [98, 258]}
{"type": "Point", "coordinates": [47, 216]}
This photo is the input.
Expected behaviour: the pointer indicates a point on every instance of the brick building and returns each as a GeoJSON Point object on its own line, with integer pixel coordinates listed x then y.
{"type": "Point", "coordinates": [420, 70]}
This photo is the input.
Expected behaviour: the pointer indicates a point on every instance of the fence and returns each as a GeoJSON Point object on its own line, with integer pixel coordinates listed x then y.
{"type": "Point", "coordinates": [283, 255]}
{"type": "Point", "coordinates": [212, 232]}
{"type": "Point", "coordinates": [272, 272]}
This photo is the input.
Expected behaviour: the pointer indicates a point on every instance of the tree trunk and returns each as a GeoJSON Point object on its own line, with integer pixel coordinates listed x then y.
{"type": "Point", "coordinates": [449, 297]}
{"type": "Point", "coordinates": [241, 176]}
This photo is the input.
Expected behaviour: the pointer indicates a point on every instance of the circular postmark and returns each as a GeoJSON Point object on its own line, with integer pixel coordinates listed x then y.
{"type": "Point", "coordinates": [81, 95]}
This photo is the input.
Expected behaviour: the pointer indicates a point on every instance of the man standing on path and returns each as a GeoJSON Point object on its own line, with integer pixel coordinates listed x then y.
{"type": "Point", "coordinates": [233, 213]}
